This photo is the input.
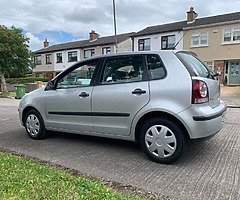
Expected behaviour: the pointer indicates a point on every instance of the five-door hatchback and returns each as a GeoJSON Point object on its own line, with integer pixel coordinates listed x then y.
{"type": "Point", "coordinates": [162, 100]}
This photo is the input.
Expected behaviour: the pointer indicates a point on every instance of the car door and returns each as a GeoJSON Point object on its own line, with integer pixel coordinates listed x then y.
{"type": "Point", "coordinates": [123, 90]}
{"type": "Point", "coordinates": [68, 106]}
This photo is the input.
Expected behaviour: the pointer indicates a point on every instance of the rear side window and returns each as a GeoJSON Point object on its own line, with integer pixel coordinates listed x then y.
{"type": "Point", "coordinates": [123, 69]}
{"type": "Point", "coordinates": [194, 66]}
{"type": "Point", "coordinates": [155, 67]}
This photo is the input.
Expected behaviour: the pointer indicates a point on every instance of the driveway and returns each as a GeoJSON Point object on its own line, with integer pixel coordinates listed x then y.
{"type": "Point", "coordinates": [208, 171]}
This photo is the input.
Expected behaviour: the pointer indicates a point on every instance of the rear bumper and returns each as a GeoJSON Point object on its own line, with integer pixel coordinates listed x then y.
{"type": "Point", "coordinates": [210, 117]}
{"type": "Point", "coordinates": [204, 121]}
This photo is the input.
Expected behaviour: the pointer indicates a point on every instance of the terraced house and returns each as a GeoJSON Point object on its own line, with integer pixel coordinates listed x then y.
{"type": "Point", "coordinates": [53, 59]}
{"type": "Point", "coordinates": [215, 40]}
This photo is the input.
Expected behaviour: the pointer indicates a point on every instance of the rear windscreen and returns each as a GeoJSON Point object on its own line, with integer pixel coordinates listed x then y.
{"type": "Point", "coordinates": [194, 66]}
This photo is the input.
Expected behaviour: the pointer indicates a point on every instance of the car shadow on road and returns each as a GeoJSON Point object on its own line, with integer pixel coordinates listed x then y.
{"type": "Point", "coordinates": [94, 140]}
{"type": "Point", "coordinates": [196, 152]}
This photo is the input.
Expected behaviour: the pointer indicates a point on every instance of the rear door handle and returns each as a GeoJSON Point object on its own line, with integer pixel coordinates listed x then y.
{"type": "Point", "coordinates": [83, 94]}
{"type": "Point", "coordinates": [139, 91]}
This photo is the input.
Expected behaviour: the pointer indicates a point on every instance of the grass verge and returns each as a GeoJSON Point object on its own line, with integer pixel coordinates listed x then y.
{"type": "Point", "coordinates": [24, 178]}
{"type": "Point", "coordinates": [7, 94]}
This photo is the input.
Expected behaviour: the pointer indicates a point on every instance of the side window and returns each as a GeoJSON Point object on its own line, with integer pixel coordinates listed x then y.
{"type": "Point", "coordinates": [123, 69]}
{"type": "Point", "coordinates": [155, 67]}
{"type": "Point", "coordinates": [80, 77]}
{"type": "Point", "coordinates": [194, 66]}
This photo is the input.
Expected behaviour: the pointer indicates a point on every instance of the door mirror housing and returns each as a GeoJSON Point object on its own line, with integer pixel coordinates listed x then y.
{"type": "Point", "coordinates": [50, 86]}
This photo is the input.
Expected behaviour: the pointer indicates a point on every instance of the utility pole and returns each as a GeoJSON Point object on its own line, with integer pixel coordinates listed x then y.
{"type": "Point", "coordinates": [115, 24]}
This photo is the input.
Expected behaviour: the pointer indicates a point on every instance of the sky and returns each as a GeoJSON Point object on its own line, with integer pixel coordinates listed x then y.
{"type": "Point", "coordinates": [62, 21]}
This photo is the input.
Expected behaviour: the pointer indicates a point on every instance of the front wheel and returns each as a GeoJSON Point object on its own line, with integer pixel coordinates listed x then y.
{"type": "Point", "coordinates": [162, 140]}
{"type": "Point", "coordinates": [34, 125]}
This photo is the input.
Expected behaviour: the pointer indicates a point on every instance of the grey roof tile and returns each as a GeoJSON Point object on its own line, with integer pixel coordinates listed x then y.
{"type": "Point", "coordinates": [176, 26]}
{"type": "Point", "coordinates": [85, 43]}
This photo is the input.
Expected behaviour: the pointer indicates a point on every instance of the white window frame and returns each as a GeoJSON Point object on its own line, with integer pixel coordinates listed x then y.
{"type": "Point", "coordinates": [91, 51]}
{"type": "Point", "coordinates": [106, 50]}
{"type": "Point", "coordinates": [167, 41]}
{"type": "Point", "coordinates": [58, 53]}
{"type": "Point", "coordinates": [210, 64]}
{"type": "Point", "coordinates": [199, 35]}
{"type": "Point", "coordinates": [142, 43]}
{"type": "Point", "coordinates": [48, 59]}
{"type": "Point", "coordinates": [231, 30]}
{"type": "Point", "coordinates": [71, 55]}
{"type": "Point", "coordinates": [38, 60]}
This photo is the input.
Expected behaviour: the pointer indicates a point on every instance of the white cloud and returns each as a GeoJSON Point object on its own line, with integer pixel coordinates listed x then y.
{"type": "Point", "coordinates": [79, 17]}
{"type": "Point", "coordinates": [34, 43]}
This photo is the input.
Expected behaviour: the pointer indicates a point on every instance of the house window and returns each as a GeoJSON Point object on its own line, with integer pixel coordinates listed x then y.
{"type": "Point", "coordinates": [144, 44]}
{"type": "Point", "coordinates": [48, 58]}
{"type": "Point", "coordinates": [38, 60]}
{"type": "Point", "coordinates": [106, 50]}
{"type": "Point", "coordinates": [89, 53]}
{"type": "Point", "coordinates": [168, 42]}
{"type": "Point", "coordinates": [72, 56]}
{"type": "Point", "coordinates": [231, 35]}
{"type": "Point", "coordinates": [209, 64]}
{"type": "Point", "coordinates": [199, 39]}
{"type": "Point", "coordinates": [59, 57]}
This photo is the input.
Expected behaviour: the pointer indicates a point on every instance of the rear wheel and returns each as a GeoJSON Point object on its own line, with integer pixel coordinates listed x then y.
{"type": "Point", "coordinates": [162, 140]}
{"type": "Point", "coordinates": [34, 125]}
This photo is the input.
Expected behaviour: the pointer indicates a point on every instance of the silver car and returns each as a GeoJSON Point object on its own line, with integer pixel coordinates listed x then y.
{"type": "Point", "coordinates": [162, 100]}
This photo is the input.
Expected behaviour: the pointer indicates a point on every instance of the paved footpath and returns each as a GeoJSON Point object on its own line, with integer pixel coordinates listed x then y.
{"type": "Point", "coordinates": [208, 171]}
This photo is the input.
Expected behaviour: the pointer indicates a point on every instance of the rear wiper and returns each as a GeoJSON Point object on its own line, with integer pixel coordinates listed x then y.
{"type": "Point", "coordinates": [216, 74]}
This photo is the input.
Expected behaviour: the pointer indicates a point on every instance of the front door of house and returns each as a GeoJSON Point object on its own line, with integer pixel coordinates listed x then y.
{"type": "Point", "coordinates": [234, 73]}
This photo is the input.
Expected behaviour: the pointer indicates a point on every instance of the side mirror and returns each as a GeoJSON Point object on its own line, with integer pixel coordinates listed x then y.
{"type": "Point", "coordinates": [49, 86]}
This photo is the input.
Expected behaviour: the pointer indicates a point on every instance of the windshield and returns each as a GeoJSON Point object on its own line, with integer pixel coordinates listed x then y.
{"type": "Point", "coordinates": [194, 66]}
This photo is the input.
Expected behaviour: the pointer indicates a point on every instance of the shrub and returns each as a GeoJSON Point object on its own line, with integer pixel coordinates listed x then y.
{"type": "Point", "coordinates": [25, 80]}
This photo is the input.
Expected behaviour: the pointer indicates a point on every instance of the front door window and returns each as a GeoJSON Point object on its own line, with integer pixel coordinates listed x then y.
{"type": "Point", "coordinates": [80, 77]}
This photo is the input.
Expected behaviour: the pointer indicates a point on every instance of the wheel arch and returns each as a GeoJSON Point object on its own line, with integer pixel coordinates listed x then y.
{"type": "Point", "coordinates": [155, 114]}
{"type": "Point", "coordinates": [26, 110]}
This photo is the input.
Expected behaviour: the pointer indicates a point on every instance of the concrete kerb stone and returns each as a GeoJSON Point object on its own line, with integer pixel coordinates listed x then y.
{"type": "Point", "coordinates": [233, 106]}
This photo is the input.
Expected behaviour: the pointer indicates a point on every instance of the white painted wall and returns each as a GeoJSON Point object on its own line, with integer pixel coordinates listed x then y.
{"type": "Point", "coordinates": [65, 64]}
{"type": "Point", "coordinates": [57, 67]}
{"type": "Point", "coordinates": [125, 45]}
{"type": "Point", "coordinates": [156, 40]}
{"type": "Point", "coordinates": [44, 67]}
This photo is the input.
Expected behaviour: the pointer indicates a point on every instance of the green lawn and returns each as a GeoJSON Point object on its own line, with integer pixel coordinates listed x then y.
{"type": "Point", "coordinates": [7, 94]}
{"type": "Point", "coordinates": [24, 178]}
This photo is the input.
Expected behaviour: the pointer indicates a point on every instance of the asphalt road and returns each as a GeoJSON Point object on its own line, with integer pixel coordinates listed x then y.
{"type": "Point", "coordinates": [208, 171]}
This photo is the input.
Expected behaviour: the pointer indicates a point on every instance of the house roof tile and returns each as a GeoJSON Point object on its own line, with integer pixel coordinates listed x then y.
{"type": "Point", "coordinates": [177, 26]}
{"type": "Point", "coordinates": [85, 43]}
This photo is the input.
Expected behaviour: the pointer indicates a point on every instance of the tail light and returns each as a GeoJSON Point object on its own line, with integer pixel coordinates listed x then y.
{"type": "Point", "coordinates": [200, 92]}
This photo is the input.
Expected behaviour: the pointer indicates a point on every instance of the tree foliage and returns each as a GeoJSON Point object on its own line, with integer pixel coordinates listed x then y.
{"type": "Point", "coordinates": [14, 52]}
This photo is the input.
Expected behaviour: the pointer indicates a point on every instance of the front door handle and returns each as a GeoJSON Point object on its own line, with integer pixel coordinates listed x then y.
{"type": "Point", "coordinates": [83, 94]}
{"type": "Point", "coordinates": [139, 91]}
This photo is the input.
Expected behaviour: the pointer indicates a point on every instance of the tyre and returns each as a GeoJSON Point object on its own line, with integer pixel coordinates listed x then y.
{"type": "Point", "coordinates": [34, 125]}
{"type": "Point", "coordinates": [162, 140]}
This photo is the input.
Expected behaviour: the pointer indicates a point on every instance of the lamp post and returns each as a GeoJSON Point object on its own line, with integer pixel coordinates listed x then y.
{"type": "Point", "coordinates": [114, 23]}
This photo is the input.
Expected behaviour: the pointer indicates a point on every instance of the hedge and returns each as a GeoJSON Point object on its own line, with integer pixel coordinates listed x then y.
{"type": "Point", "coordinates": [25, 80]}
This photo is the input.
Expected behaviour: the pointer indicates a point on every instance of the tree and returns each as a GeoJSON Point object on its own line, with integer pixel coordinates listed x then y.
{"type": "Point", "coordinates": [14, 53]}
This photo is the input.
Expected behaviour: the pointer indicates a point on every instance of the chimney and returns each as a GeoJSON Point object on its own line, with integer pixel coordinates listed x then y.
{"type": "Point", "coordinates": [191, 15]}
{"type": "Point", "coordinates": [93, 35]}
{"type": "Point", "coordinates": [45, 43]}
